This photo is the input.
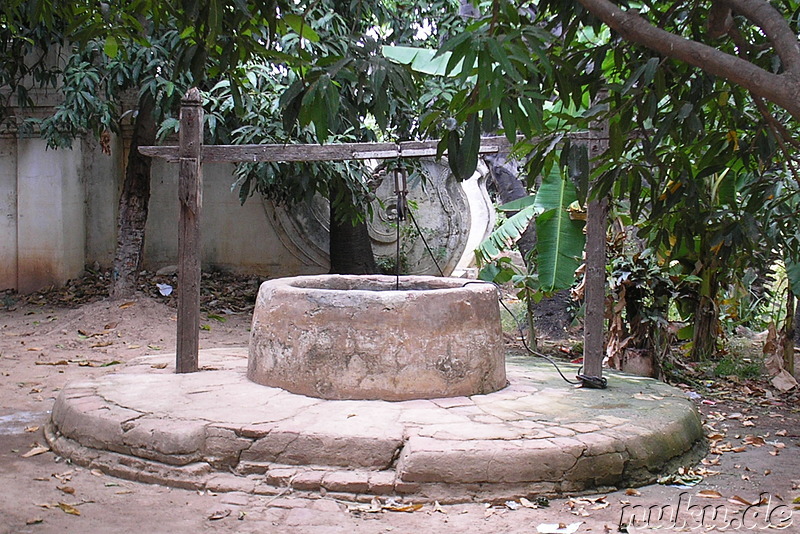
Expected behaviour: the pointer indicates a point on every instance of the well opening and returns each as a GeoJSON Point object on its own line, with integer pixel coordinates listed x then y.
{"type": "Point", "coordinates": [375, 283]}
{"type": "Point", "coordinates": [377, 337]}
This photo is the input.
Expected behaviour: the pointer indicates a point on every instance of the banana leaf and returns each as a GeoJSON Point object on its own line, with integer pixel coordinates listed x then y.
{"type": "Point", "coordinates": [504, 237]}
{"type": "Point", "coordinates": [560, 240]}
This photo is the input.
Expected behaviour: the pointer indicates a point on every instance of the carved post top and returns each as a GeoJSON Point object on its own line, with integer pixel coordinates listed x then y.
{"type": "Point", "coordinates": [192, 97]}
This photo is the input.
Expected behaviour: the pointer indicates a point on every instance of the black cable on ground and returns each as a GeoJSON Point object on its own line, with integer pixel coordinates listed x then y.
{"type": "Point", "coordinates": [584, 380]}
{"type": "Point", "coordinates": [594, 382]}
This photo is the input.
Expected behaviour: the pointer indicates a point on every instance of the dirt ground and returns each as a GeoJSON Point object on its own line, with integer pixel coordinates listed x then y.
{"type": "Point", "coordinates": [750, 477]}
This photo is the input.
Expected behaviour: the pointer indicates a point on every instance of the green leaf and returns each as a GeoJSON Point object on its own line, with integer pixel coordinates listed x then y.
{"type": "Point", "coordinates": [300, 27]}
{"type": "Point", "coordinates": [559, 249]}
{"type": "Point", "coordinates": [650, 70]}
{"type": "Point", "coordinates": [111, 47]}
{"type": "Point", "coordinates": [560, 239]}
{"type": "Point", "coordinates": [793, 275]}
{"type": "Point", "coordinates": [519, 204]}
{"type": "Point", "coordinates": [504, 237]}
{"type": "Point", "coordinates": [424, 60]}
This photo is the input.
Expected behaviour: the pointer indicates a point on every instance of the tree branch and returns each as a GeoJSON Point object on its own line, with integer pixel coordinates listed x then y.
{"type": "Point", "coordinates": [774, 26]}
{"type": "Point", "coordinates": [781, 89]}
{"type": "Point", "coordinates": [782, 136]}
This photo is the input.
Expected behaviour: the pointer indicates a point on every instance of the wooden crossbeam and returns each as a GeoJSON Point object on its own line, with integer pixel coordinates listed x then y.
{"type": "Point", "coordinates": [192, 153]}
{"type": "Point", "coordinates": [306, 152]}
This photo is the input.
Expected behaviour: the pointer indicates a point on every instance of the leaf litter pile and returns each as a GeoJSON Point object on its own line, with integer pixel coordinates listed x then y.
{"type": "Point", "coordinates": [221, 292]}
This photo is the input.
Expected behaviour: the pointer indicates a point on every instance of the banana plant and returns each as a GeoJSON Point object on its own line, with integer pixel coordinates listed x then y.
{"type": "Point", "coordinates": [560, 238]}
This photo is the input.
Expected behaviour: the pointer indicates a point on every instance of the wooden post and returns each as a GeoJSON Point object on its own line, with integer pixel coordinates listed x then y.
{"type": "Point", "coordinates": [190, 193]}
{"type": "Point", "coordinates": [595, 288]}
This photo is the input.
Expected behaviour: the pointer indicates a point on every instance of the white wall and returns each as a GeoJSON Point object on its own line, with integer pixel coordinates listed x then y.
{"type": "Point", "coordinates": [8, 212]}
{"type": "Point", "coordinates": [51, 232]}
{"type": "Point", "coordinates": [234, 236]}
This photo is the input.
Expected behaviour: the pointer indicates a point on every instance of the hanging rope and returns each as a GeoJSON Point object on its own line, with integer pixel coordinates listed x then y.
{"type": "Point", "coordinates": [401, 190]}
{"type": "Point", "coordinates": [425, 242]}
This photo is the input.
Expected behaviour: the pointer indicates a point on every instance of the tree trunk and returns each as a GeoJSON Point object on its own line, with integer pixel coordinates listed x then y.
{"type": "Point", "coordinates": [796, 324]}
{"type": "Point", "coordinates": [706, 318]}
{"type": "Point", "coordinates": [789, 336]}
{"type": "Point", "coordinates": [133, 205]}
{"type": "Point", "coordinates": [351, 247]}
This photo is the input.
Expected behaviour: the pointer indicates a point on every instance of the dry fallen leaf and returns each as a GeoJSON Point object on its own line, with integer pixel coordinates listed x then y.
{"type": "Point", "coordinates": [703, 472]}
{"type": "Point", "coordinates": [64, 477]}
{"type": "Point", "coordinates": [111, 326]}
{"type": "Point", "coordinates": [631, 491]}
{"type": "Point", "coordinates": [159, 366]}
{"type": "Point", "coordinates": [781, 432]}
{"type": "Point", "coordinates": [126, 305]}
{"type": "Point", "coordinates": [219, 514]}
{"type": "Point", "coordinates": [101, 344]}
{"type": "Point", "coordinates": [31, 428]}
{"type": "Point", "coordinates": [59, 362]}
{"type": "Point", "coordinates": [69, 509]}
{"type": "Point", "coordinates": [69, 490]}
{"type": "Point", "coordinates": [740, 501]}
{"type": "Point", "coordinates": [709, 494]}
{"type": "Point", "coordinates": [34, 521]}
{"type": "Point", "coordinates": [755, 441]}
{"type": "Point", "coordinates": [403, 508]}
{"type": "Point", "coordinates": [37, 449]}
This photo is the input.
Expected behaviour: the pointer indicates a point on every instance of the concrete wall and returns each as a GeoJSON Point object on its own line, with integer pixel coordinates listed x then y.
{"type": "Point", "coordinates": [235, 237]}
{"type": "Point", "coordinates": [103, 176]}
{"type": "Point", "coordinates": [42, 212]}
{"type": "Point", "coordinates": [8, 212]}
{"type": "Point", "coordinates": [58, 214]}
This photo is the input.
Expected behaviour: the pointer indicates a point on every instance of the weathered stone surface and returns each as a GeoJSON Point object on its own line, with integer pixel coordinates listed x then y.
{"type": "Point", "coordinates": [297, 447]}
{"type": "Point", "coordinates": [348, 481]}
{"type": "Point", "coordinates": [500, 445]}
{"type": "Point", "coordinates": [604, 469]}
{"type": "Point", "coordinates": [177, 437]}
{"type": "Point", "coordinates": [356, 337]}
{"type": "Point", "coordinates": [493, 461]}
{"type": "Point", "coordinates": [382, 482]}
{"type": "Point", "coordinates": [223, 446]}
{"type": "Point", "coordinates": [308, 480]}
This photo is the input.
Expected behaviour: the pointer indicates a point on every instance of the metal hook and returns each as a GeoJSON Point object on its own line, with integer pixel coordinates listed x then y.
{"type": "Point", "coordinates": [401, 190]}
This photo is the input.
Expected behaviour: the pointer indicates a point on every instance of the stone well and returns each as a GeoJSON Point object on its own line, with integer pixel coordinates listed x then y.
{"type": "Point", "coordinates": [374, 337]}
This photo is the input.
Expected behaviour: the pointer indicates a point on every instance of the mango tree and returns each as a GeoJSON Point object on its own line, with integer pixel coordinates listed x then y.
{"type": "Point", "coordinates": [683, 134]}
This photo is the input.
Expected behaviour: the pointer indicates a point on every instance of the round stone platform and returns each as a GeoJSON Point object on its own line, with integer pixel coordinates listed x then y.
{"type": "Point", "coordinates": [218, 431]}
